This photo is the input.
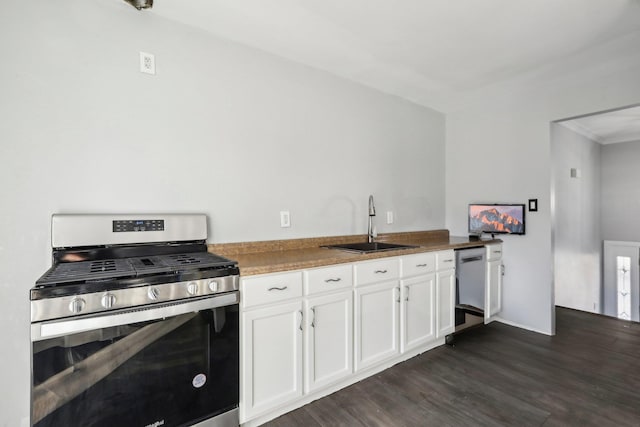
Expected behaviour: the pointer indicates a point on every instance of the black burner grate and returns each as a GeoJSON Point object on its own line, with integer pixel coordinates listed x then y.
{"type": "Point", "coordinates": [130, 267]}
{"type": "Point", "coordinates": [100, 266]}
{"type": "Point", "coordinates": [87, 270]}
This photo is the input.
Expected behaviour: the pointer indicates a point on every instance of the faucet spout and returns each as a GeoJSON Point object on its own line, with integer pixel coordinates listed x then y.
{"type": "Point", "coordinates": [372, 213]}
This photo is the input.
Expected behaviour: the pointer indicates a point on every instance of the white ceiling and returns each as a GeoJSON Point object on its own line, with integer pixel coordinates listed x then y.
{"type": "Point", "coordinates": [610, 127]}
{"type": "Point", "coordinates": [426, 51]}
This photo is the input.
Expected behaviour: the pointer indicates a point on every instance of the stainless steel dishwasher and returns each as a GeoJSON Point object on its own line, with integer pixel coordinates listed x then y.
{"type": "Point", "coordinates": [470, 287]}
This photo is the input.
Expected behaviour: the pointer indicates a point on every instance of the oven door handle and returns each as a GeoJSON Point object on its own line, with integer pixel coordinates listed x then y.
{"type": "Point", "coordinates": [45, 330]}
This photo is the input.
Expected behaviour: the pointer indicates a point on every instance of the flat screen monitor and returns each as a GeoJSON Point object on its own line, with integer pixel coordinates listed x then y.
{"type": "Point", "coordinates": [496, 218]}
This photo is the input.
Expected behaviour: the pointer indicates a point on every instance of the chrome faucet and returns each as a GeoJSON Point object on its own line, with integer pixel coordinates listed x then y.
{"type": "Point", "coordinates": [372, 213]}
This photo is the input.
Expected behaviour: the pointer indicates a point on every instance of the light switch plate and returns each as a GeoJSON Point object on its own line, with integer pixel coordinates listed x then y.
{"type": "Point", "coordinates": [285, 219]}
{"type": "Point", "coordinates": [389, 217]}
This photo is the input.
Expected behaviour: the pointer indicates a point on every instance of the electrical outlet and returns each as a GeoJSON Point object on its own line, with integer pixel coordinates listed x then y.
{"type": "Point", "coordinates": [389, 217]}
{"type": "Point", "coordinates": [285, 219]}
{"type": "Point", "coordinates": [147, 63]}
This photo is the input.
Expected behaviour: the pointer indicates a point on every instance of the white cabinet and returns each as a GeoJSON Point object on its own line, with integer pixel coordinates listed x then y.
{"type": "Point", "coordinates": [417, 324]}
{"type": "Point", "coordinates": [445, 297]}
{"type": "Point", "coordinates": [493, 290]}
{"type": "Point", "coordinates": [417, 310]}
{"type": "Point", "coordinates": [281, 328]}
{"type": "Point", "coordinates": [376, 311]}
{"type": "Point", "coordinates": [328, 339]}
{"type": "Point", "coordinates": [376, 323]}
{"type": "Point", "coordinates": [270, 288]}
{"type": "Point", "coordinates": [307, 333]}
{"type": "Point", "coordinates": [445, 293]}
{"type": "Point", "coordinates": [380, 270]}
{"type": "Point", "coordinates": [271, 368]}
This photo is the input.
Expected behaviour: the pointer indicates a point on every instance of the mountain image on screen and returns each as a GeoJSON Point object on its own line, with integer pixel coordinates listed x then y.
{"type": "Point", "coordinates": [492, 220]}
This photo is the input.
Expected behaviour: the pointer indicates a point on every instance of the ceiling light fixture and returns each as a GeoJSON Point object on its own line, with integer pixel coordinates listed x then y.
{"type": "Point", "coordinates": [141, 4]}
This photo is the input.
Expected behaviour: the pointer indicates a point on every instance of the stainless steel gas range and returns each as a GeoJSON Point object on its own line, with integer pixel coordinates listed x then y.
{"type": "Point", "coordinates": [134, 324]}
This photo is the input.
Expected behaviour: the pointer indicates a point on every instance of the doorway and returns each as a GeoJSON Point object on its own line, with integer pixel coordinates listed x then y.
{"type": "Point", "coordinates": [595, 182]}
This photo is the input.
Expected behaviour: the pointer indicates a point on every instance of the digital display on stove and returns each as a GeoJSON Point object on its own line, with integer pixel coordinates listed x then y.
{"type": "Point", "coordinates": [138, 225]}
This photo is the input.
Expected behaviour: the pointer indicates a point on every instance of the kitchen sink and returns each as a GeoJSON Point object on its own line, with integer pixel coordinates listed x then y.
{"type": "Point", "coordinates": [369, 247]}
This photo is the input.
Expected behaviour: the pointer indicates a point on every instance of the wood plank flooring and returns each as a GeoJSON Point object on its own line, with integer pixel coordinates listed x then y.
{"type": "Point", "coordinates": [498, 375]}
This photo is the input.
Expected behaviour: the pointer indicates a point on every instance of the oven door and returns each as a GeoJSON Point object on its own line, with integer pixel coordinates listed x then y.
{"type": "Point", "coordinates": [169, 365]}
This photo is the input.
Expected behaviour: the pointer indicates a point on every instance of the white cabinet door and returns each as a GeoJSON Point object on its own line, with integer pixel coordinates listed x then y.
{"type": "Point", "coordinates": [329, 339]}
{"type": "Point", "coordinates": [271, 354]}
{"type": "Point", "coordinates": [445, 297]}
{"type": "Point", "coordinates": [494, 289]}
{"type": "Point", "coordinates": [417, 324]}
{"type": "Point", "coordinates": [376, 330]}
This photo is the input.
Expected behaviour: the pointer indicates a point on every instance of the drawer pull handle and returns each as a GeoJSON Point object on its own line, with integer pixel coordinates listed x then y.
{"type": "Point", "coordinates": [421, 265]}
{"type": "Point", "coordinates": [447, 260]}
{"type": "Point", "coordinates": [497, 252]}
{"type": "Point", "coordinates": [275, 288]}
{"type": "Point", "coordinates": [333, 280]}
{"type": "Point", "coordinates": [380, 271]}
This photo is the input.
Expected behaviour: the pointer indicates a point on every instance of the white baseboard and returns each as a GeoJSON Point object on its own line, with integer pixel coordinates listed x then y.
{"type": "Point", "coordinates": [518, 325]}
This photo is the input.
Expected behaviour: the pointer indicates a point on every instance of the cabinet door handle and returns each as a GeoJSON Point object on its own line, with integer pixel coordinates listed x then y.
{"type": "Point", "coordinates": [333, 280]}
{"type": "Point", "coordinates": [301, 318]}
{"type": "Point", "coordinates": [275, 288]}
{"type": "Point", "coordinates": [407, 298]}
{"type": "Point", "coordinates": [380, 271]}
{"type": "Point", "coordinates": [313, 321]}
{"type": "Point", "coordinates": [398, 289]}
{"type": "Point", "coordinates": [421, 265]}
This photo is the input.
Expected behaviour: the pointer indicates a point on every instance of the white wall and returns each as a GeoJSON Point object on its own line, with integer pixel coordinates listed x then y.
{"type": "Point", "coordinates": [221, 129]}
{"type": "Point", "coordinates": [498, 149]}
{"type": "Point", "coordinates": [578, 241]}
{"type": "Point", "coordinates": [621, 191]}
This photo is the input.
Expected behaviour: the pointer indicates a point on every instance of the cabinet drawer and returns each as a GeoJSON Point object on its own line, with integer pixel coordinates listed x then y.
{"type": "Point", "coordinates": [377, 271]}
{"type": "Point", "coordinates": [328, 278]}
{"type": "Point", "coordinates": [445, 260]}
{"type": "Point", "coordinates": [494, 252]}
{"type": "Point", "coordinates": [272, 288]}
{"type": "Point", "coordinates": [413, 265]}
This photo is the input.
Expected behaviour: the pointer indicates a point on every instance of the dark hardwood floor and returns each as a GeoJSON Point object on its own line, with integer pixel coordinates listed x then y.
{"type": "Point", "coordinates": [498, 375]}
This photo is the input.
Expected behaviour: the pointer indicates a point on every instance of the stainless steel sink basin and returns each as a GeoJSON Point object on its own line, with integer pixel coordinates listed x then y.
{"type": "Point", "coordinates": [368, 247]}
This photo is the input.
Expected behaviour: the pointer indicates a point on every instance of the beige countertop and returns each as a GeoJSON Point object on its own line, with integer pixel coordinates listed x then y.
{"type": "Point", "coordinates": [295, 254]}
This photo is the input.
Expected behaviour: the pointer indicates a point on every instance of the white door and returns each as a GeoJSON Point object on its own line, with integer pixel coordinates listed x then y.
{"type": "Point", "coordinates": [417, 324]}
{"type": "Point", "coordinates": [376, 329]}
{"type": "Point", "coordinates": [621, 284]}
{"type": "Point", "coordinates": [493, 304]}
{"type": "Point", "coordinates": [271, 370]}
{"type": "Point", "coordinates": [445, 297]}
{"type": "Point", "coordinates": [329, 339]}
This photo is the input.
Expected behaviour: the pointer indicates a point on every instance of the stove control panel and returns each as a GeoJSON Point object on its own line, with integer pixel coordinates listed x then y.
{"type": "Point", "coordinates": [120, 226]}
{"type": "Point", "coordinates": [119, 299]}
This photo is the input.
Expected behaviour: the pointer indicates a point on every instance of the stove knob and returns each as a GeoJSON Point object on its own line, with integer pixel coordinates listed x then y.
{"type": "Point", "coordinates": [153, 294]}
{"type": "Point", "coordinates": [108, 300]}
{"type": "Point", "coordinates": [214, 286]}
{"type": "Point", "coordinates": [192, 288]}
{"type": "Point", "coordinates": [76, 305]}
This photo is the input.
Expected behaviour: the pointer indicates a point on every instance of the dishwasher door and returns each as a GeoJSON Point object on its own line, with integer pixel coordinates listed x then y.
{"type": "Point", "coordinates": [470, 283]}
